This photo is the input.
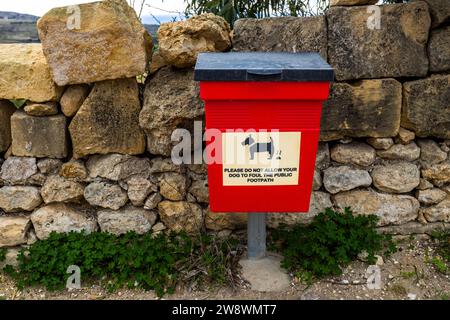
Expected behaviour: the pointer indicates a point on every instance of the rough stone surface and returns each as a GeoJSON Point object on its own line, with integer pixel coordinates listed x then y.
{"type": "Point", "coordinates": [199, 189]}
{"type": "Point", "coordinates": [218, 221]}
{"type": "Point", "coordinates": [17, 199]}
{"type": "Point", "coordinates": [10, 258]}
{"type": "Point", "coordinates": [164, 111]}
{"type": "Point", "coordinates": [25, 74]}
{"type": "Point", "coordinates": [413, 228]}
{"type": "Point", "coordinates": [424, 185]}
{"type": "Point", "coordinates": [367, 108]}
{"type": "Point", "coordinates": [13, 230]}
{"type": "Point", "coordinates": [438, 174]}
{"type": "Point", "coordinates": [173, 186]}
{"type": "Point", "coordinates": [319, 202]}
{"type": "Point", "coordinates": [396, 178]}
{"type": "Point", "coordinates": [356, 51]}
{"type": "Point", "coordinates": [180, 42]}
{"type": "Point", "coordinates": [439, 50]}
{"type": "Point", "coordinates": [105, 195]}
{"type": "Point", "coordinates": [108, 43]}
{"type": "Point", "coordinates": [405, 136]}
{"type": "Point", "coordinates": [380, 143]}
{"type": "Point", "coordinates": [425, 106]}
{"type": "Point", "coordinates": [61, 218]}
{"type": "Point", "coordinates": [439, 212]}
{"type": "Point", "coordinates": [181, 216]}
{"type": "Point", "coordinates": [344, 178]}
{"type": "Point", "coordinates": [430, 151]}
{"type": "Point", "coordinates": [18, 170]}
{"type": "Point", "coordinates": [408, 152]}
{"type": "Point", "coordinates": [118, 167]}
{"type": "Point", "coordinates": [431, 196]}
{"type": "Point", "coordinates": [317, 180]}
{"type": "Point", "coordinates": [49, 166]}
{"type": "Point", "coordinates": [281, 34]}
{"type": "Point", "coordinates": [73, 98]}
{"type": "Point", "coordinates": [38, 136]}
{"type": "Point", "coordinates": [157, 62]}
{"type": "Point", "coordinates": [125, 220]}
{"type": "Point", "coordinates": [6, 111]}
{"type": "Point", "coordinates": [74, 170]}
{"type": "Point", "coordinates": [391, 209]}
{"type": "Point", "coordinates": [139, 189]}
{"type": "Point", "coordinates": [351, 2]}
{"type": "Point", "coordinates": [439, 10]}
{"type": "Point", "coordinates": [58, 189]}
{"type": "Point", "coordinates": [322, 156]}
{"type": "Point", "coordinates": [110, 105]}
{"type": "Point", "coordinates": [353, 153]}
{"type": "Point", "coordinates": [266, 274]}
{"type": "Point", "coordinates": [152, 201]}
{"type": "Point", "coordinates": [41, 109]}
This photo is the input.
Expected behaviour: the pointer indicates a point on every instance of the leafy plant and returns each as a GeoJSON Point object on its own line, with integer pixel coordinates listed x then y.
{"type": "Point", "coordinates": [329, 243]}
{"type": "Point", "coordinates": [441, 239]}
{"type": "Point", "coordinates": [2, 254]}
{"type": "Point", "coordinates": [145, 261]}
{"type": "Point", "coordinates": [18, 103]}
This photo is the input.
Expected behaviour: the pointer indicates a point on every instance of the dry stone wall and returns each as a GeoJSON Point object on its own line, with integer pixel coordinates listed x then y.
{"type": "Point", "coordinates": [90, 149]}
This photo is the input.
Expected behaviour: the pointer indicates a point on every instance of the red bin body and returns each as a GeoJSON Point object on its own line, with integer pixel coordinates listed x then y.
{"type": "Point", "coordinates": [292, 107]}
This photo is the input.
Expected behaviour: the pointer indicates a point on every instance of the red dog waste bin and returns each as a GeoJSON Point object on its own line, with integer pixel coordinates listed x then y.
{"type": "Point", "coordinates": [263, 118]}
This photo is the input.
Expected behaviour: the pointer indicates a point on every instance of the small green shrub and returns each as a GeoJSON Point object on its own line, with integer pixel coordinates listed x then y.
{"type": "Point", "coordinates": [329, 243]}
{"type": "Point", "coordinates": [144, 261]}
{"type": "Point", "coordinates": [441, 239]}
{"type": "Point", "coordinates": [2, 254]}
{"type": "Point", "coordinates": [18, 103]}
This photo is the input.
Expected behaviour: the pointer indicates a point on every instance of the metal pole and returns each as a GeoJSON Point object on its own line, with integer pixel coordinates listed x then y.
{"type": "Point", "coordinates": [256, 235]}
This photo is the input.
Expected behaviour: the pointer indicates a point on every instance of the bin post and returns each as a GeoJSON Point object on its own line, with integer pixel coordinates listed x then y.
{"type": "Point", "coordinates": [256, 235]}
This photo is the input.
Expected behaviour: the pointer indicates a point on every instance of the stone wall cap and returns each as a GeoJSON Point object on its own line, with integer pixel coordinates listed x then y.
{"type": "Point", "coordinates": [262, 66]}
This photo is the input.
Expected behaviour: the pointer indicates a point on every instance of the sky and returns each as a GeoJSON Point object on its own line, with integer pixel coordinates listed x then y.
{"type": "Point", "coordinates": [40, 7]}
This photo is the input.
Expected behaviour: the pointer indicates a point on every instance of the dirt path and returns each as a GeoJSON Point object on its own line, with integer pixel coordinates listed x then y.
{"type": "Point", "coordinates": [405, 275]}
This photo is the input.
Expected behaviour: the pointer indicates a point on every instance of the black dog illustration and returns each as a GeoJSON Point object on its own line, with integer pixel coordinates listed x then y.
{"type": "Point", "coordinates": [259, 147]}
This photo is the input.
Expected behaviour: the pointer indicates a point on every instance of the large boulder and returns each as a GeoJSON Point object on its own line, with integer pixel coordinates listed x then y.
{"type": "Point", "coordinates": [356, 153]}
{"type": "Point", "coordinates": [105, 195]}
{"type": "Point", "coordinates": [18, 199]}
{"type": "Point", "coordinates": [25, 74]}
{"type": "Point", "coordinates": [181, 216]}
{"type": "Point", "coordinates": [108, 120]}
{"type": "Point", "coordinates": [439, 174]}
{"type": "Point", "coordinates": [94, 42]}
{"type": "Point", "coordinates": [164, 111]}
{"type": "Point", "coordinates": [344, 178]}
{"type": "Point", "coordinates": [6, 111]}
{"type": "Point", "coordinates": [18, 170]}
{"type": "Point", "coordinates": [61, 218]}
{"type": "Point", "coordinates": [180, 42]}
{"type": "Point", "coordinates": [39, 136]}
{"type": "Point", "coordinates": [367, 108]}
{"type": "Point", "coordinates": [396, 178]}
{"type": "Point", "coordinates": [397, 49]}
{"type": "Point", "coordinates": [287, 34]}
{"type": "Point", "coordinates": [319, 202]}
{"type": "Point", "coordinates": [13, 230]}
{"type": "Point", "coordinates": [431, 152]}
{"type": "Point", "coordinates": [118, 167]}
{"type": "Point", "coordinates": [173, 186]}
{"type": "Point", "coordinates": [406, 152]}
{"type": "Point", "coordinates": [59, 189]}
{"type": "Point", "coordinates": [439, 50]}
{"type": "Point", "coordinates": [431, 196]}
{"type": "Point", "coordinates": [440, 11]}
{"type": "Point", "coordinates": [439, 212]}
{"type": "Point", "coordinates": [391, 209]}
{"type": "Point", "coordinates": [218, 221]}
{"type": "Point", "coordinates": [425, 106]}
{"type": "Point", "coordinates": [125, 220]}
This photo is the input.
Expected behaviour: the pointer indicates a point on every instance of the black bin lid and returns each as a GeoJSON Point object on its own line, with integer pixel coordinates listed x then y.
{"type": "Point", "coordinates": [262, 66]}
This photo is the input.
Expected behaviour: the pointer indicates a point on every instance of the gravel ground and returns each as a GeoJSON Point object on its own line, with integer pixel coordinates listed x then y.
{"type": "Point", "coordinates": [405, 275]}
